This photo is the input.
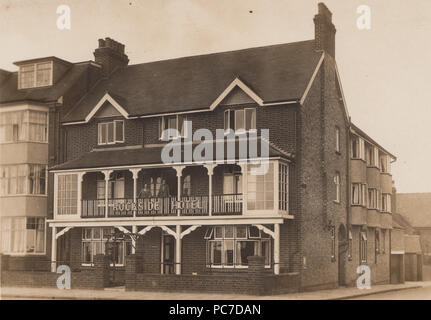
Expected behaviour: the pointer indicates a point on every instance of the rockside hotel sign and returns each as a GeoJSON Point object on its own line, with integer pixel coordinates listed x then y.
{"type": "Point", "coordinates": [162, 205]}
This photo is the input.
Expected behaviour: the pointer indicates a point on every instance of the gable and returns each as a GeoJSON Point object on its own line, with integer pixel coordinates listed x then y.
{"type": "Point", "coordinates": [107, 110]}
{"type": "Point", "coordinates": [107, 98]}
{"type": "Point", "coordinates": [237, 96]}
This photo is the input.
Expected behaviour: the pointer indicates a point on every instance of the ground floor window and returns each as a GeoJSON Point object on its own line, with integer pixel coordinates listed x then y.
{"type": "Point", "coordinates": [383, 241]}
{"type": "Point", "coordinates": [333, 244]}
{"type": "Point", "coordinates": [230, 246]}
{"type": "Point", "coordinates": [363, 246]}
{"type": "Point", "coordinates": [350, 245]}
{"type": "Point", "coordinates": [22, 235]}
{"type": "Point", "coordinates": [102, 241]}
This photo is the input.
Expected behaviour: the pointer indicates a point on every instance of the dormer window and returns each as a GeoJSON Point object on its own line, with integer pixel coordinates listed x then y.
{"type": "Point", "coordinates": [111, 132]}
{"type": "Point", "coordinates": [35, 75]}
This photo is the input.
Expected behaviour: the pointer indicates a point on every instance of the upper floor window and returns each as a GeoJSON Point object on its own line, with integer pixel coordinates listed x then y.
{"type": "Point", "coordinates": [372, 156]}
{"type": "Point", "coordinates": [260, 187]}
{"type": "Point", "coordinates": [373, 198]}
{"type": "Point", "coordinates": [23, 125]}
{"type": "Point", "coordinates": [385, 163]}
{"type": "Point", "coordinates": [240, 120]}
{"type": "Point", "coordinates": [386, 202]}
{"type": "Point", "coordinates": [283, 188]}
{"type": "Point", "coordinates": [333, 243]}
{"type": "Point", "coordinates": [172, 126]}
{"type": "Point", "coordinates": [111, 132]}
{"type": "Point", "coordinates": [359, 194]}
{"type": "Point", "coordinates": [337, 182]}
{"type": "Point", "coordinates": [337, 139]}
{"type": "Point", "coordinates": [35, 75]}
{"type": "Point", "coordinates": [67, 194]}
{"type": "Point", "coordinates": [23, 179]}
{"type": "Point", "coordinates": [357, 147]}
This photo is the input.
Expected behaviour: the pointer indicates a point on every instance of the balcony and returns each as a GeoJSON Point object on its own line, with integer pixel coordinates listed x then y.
{"type": "Point", "coordinates": [226, 204]}
{"type": "Point", "coordinates": [186, 191]}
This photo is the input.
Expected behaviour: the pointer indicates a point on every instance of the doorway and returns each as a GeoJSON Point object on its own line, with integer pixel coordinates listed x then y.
{"type": "Point", "coordinates": [342, 250]}
{"type": "Point", "coordinates": [168, 254]}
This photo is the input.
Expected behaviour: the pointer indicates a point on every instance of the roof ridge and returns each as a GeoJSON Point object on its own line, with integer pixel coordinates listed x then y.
{"type": "Point", "coordinates": [220, 52]}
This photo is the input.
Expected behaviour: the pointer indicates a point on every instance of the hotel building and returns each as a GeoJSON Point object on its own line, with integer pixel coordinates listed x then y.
{"type": "Point", "coordinates": [319, 210]}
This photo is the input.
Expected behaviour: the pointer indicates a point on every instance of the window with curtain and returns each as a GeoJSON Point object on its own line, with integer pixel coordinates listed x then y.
{"type": "Point", "coordinates": [240, 120]}
{"type": "Point", "coordinates": [94, 242]}
{"type": "Point", "coordinates": [230, 246]}
{"type": "Point", "coordinates": [35, 75]}
{"type": "Point", "coordinates": [260, 187]}
{"type": "Point", "coordinates": [283, 188]}
{"type": "Point", "coordinates": [67, 194]}
{"type": "Point", "coordinates": [23, 179]}
{"type": "Point", "coordinates": [22, 235]}
{"type": "Point", "coordinates": [24, 125]}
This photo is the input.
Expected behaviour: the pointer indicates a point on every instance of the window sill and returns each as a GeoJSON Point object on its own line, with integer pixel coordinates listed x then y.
{"type": "Point", "coordinates": [24, 195]}
{"type": "Point", "coordinates": [337, 201]}
{"type": "Point", "coordinates": [26, 141]}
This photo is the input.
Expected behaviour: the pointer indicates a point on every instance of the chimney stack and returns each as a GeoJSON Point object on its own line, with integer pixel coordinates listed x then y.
{"type": "Point", "coordinates": [324, 30]}
{"type": "Point", "coordinates": [110, 55]}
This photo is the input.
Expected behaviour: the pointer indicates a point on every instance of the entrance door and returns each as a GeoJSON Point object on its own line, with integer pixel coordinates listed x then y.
{"type": "Point", "coordinates": [168, 254]}
{"type": "Point", "coordinates": [342, 250]}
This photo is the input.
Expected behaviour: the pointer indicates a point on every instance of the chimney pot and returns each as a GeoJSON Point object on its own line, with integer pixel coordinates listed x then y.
{"type": "Point", "coordinates": [101, 43]}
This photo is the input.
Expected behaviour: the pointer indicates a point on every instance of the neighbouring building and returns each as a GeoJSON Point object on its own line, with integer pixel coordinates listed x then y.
{"type": "Point", "coordinates": [32, 100]}
{"type": "Point", "coordinates": [414, 208]}
{"type": "Point", "coordinates": [321, 209]}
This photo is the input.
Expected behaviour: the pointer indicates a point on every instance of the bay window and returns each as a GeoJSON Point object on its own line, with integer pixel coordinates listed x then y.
{"type": "Point", "coordinates": [67, 194]}
{"type": "Point", "coordinates": [385, 163]}
{"type": "Point", "coordinates": [283, 187]}
{"type": "Point", "coordinates": [240, 120]}
{"type": "Point", "coordinates": [230, 246]}
{"type": "Point", "coordinates": [23, 179]}
{"type": "Point", "coordinates": [386, 202]}
{"type": "Point", "coordinates": [373, 201]}
{"type": "Point", "coordinates": [23, 126]}
{"type": "Point", "coordinates": [111, 132]}
{"type": "Point", "coordinates": [102, 241]}
{"type": "Point", "coordinates": [359, 194]}
{"type": "Point", "coordinates": [260, 192]}
{"type": "Point", "coordinates": [22, 235]}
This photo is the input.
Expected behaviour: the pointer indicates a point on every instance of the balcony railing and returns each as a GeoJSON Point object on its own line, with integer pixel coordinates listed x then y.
{"type": "Point", "coordinates": [226, 204]}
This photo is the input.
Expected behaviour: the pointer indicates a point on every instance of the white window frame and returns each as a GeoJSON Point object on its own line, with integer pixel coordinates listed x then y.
{"type": "Point", "coordinates": [103, 242]}
{"type": "Point", "coordinates": [35, 75]}
{"type": "Point", "coordinates": [25, 253]}
{"type": "Point", "coordinates": [182, 132]}
{"type": "Point", "coordinates": [105, 124]}
{"type": "Point", "coordinates": [337, 182]}
{"type": "Point", "coordinates": [363, 256]}
{"type": "Point", "coordinates": [235, 129]}
{"type": "Point", "coordinates": [210, 237]}
{"type": "Point", "coordinates": [337, 139]}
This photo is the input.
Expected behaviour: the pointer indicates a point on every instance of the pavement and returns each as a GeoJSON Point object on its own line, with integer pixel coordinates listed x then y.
{"type": "Point", "coordinates": [12, 293]}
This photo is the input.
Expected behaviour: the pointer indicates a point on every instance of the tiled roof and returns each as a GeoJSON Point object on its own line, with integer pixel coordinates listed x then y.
{"type": "Point", "coordinates": [416, 208]}
{"type": "Point", "coordinates": [9, 88]}
{"type": "Point", "coordinates": [105, 158]}
{"type": "Point", "coordinates": [275, 73]}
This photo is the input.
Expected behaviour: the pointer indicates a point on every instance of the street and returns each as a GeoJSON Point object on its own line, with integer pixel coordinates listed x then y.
{"type": "Point", "coordinates": [409, 294]}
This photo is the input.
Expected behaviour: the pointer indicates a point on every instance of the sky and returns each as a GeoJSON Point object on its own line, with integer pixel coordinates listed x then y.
{"type": "Point", "coordinates": [384, 70]}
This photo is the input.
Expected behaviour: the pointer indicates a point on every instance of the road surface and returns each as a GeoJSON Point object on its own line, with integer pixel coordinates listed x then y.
{"type": "Point", "coordinates": [409, 294]}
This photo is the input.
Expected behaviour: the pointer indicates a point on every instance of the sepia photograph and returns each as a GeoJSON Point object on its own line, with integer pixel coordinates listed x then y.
{"type": "Point", "coordinates": [215, 155]}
